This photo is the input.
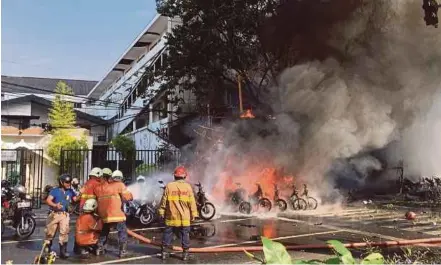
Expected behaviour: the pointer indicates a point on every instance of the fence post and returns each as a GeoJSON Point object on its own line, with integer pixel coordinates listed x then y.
{"type": "Point", "coordinates": [61, 161]}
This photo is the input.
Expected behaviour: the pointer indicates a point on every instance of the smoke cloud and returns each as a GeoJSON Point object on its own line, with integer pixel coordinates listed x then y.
{"type": "Point", "coordinates": [331, 112]}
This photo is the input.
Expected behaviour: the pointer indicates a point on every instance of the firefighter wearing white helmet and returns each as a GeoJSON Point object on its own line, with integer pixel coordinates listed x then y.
{"type": "Point", "coordinates": [95, 179]}
{"type": "Point", "coordinates": [110, 196]}
{"type": "Point", "coordinates": [88, 228]}
{"type": "Point", "coordinates": [107, 173]}
{"type": "Point", "coordinates": [140, 179]}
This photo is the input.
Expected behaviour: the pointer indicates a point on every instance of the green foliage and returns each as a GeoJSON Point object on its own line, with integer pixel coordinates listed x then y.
{"type": "Point", "coordinates": [144, 168]}
{"type": "Point", "coordinates": [276, 253]}
{"type": "Point", "coordinates": [216, 41]}
{"type": "Point", "coordinates": [61, 139]}
{"type": "Point", "coordinates": [62, 113]}
{"type": "Point", "coordinates": [124, 145]}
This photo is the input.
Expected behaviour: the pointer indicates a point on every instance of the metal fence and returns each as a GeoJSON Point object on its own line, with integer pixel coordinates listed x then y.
{"type": "Point", "coordinates": [78, 163]}
{"type": "Point", "coordinates": [25, 167]}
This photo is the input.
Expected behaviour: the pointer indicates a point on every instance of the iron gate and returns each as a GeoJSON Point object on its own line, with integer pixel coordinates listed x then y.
{"type": "Point", "coordinates": [78, 163]}
{"type": "Point", "coordinates": [25, 167]}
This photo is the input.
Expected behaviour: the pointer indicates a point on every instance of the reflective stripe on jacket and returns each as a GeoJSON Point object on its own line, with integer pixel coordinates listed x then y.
{"type": "Point", "coordinates": [109, 197]}
{"type": "Point", "coordinates": [87, 190]}
{"type": "Point", "coordinates": [88, 229]}
{"type": "Point", "coordinates": [178, 204]}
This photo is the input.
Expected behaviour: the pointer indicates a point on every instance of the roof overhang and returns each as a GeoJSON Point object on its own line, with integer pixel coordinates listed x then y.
{"type": "Point", "coordinates": [149, 34]}
{"type": "Point", "coordinates": [22, 117]}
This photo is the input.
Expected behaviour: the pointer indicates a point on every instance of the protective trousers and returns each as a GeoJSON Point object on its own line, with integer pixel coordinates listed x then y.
{"type": "Point", "coordinates": [57, 220]}
{"type": "Point", "coordinates": [122, 233]}
{"type": "Point", "coordinates": [181, 231]}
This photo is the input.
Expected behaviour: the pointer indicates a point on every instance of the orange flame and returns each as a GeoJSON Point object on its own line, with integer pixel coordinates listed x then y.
{"type": "Point", "coordinates": [248, 114]}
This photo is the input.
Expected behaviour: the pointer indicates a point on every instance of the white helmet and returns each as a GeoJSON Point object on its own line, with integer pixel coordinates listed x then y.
{"type": "Point", "coordinates": [97, 172]}
{"type": "Point", "coordinates": [117, 175]}
{"type": "Point", "coordinates": [75, 181]}
{"type": "Point", "coordinates": [140, 179]}
{"type": "Point", "coordinates": [90, 205]}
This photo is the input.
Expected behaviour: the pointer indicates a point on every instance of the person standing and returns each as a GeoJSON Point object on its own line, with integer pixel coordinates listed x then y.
{"type": "Point", "coordinates": [88, 228]}
{"type": "Point", "coordinates": [95, 176]}
{"type": "Point", "coordinates": [110, 196]}
{"type": "Point", "coordinates": [58, 218]}
{"type": "Point", "coordinates": [107, 173]}
{"type": "Point", "coordinates": [178, 208]}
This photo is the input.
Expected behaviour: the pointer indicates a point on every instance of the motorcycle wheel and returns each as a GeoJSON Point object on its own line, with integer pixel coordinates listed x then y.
{"type": "Point", "coordinates": [265, 203]}
{"type": "Point", "coordinates": [146, 218]}
{"type": "Point", "coordinates": [245, 207]}
{"type": "Point", "coordinates": [23, 233]}
{"type": "Point", "coordinates": [207, 211]}
{"type": "Point", "coordinates": [299, 204]}
{"type": "Point", "coordinates": [282, 205]}
{"type": "Point", "coordinates": [312, 203]}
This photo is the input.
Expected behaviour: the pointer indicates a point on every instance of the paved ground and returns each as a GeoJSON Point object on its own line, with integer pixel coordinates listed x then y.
{"type": "Point", "coordinates": [353, 224]}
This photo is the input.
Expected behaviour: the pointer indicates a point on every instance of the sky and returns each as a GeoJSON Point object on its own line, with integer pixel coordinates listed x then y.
{"type": "Point", "coordinates": [77, 39]}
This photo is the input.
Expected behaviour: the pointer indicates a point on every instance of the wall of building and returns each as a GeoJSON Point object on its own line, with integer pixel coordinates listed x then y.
{"type": "Point", "coordinates": [23, 109]}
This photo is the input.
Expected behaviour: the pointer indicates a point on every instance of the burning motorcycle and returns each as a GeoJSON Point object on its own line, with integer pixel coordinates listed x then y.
{"type": "Point", "coordinates": [205, 208]}
{"type": "Point", "coordinates": [297, 203]}
{"type": "Point", "coordinates": [310, 201]}
{"type": "Point", "coordinates": [17, 210]}
{"type": "Point", "coordinates": [281, 203]}
{"type": "Point", "coordinates": [237, 198]}
{"type": "Point", "coordinates": [256, 199]}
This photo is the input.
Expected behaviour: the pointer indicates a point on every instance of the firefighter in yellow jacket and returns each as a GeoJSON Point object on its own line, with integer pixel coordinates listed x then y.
{"type": "Point", "coordinates": [178, 208]}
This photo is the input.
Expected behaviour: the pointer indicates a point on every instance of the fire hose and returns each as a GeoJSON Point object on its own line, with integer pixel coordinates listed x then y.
{"type": "Point", "coordinates": [425, 241]}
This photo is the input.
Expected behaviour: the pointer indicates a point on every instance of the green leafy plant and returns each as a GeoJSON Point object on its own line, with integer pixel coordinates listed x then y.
{"type": "Point", "coordinates": [144, 168]}
{"type": "Point", "coordinates": [62, 113]}
{"type": "Point", "coordinates": [276, 253]}
{"type": "Point", "coordinates": [61, 139]}
{"type": "Point", "coordinates": [124, 145]}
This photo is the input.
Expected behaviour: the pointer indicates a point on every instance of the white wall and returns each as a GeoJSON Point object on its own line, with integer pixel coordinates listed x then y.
{"type": "Point", "coordinates": [22, 109]}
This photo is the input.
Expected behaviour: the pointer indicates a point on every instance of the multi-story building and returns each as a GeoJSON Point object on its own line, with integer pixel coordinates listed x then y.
{"type": "Point", "coordinates": [124, 98]}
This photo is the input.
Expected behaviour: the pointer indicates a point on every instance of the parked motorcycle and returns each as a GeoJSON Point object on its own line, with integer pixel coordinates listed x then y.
{"type": "Point", "coordinates": [281, 203]}
{"type": "Point", "coordinates": [310, 201]}
{"type": "Point", "coordinates": [257, 199]}
{"type": "Point", "coordinates": [237, 198]}
{"type": "Point", "coordinates": [297, 203]}
{"type": "Point", "coordinates": [205, 208]}
{"type": "Point", "coordinates": [137, 210]}
{"type": "Point", "coordinates": [17, 210]}
{"type": "Point", "coordinates": [145, 212]}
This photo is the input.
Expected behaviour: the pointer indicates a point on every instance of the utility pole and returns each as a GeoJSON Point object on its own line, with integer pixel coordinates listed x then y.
{"type": "Point", "coordinates": [239, 83]}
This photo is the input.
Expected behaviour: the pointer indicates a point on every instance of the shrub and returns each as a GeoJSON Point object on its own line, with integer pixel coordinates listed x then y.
{"type": "Point", "coordinates": [276, 253]}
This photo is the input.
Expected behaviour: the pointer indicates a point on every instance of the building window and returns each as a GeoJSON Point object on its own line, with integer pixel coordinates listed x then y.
{"type": "Point", "coordinates": [77, 105]}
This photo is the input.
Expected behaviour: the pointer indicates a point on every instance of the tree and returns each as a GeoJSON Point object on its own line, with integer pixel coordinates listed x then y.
{"type": "Point", "coordinates": [61, 139]}
{"type": "Point", "coordinates": [62, 114]}
{"type": "Point", "coordinates": [216, 42]}
{"type": "Point", "coordinates": [61, 118]}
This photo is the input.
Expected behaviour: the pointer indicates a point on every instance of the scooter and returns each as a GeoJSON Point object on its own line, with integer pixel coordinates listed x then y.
{"type": "Point", "coordinates": [17, 210]}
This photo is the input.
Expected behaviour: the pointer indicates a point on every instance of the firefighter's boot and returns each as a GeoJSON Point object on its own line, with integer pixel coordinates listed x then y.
{"type": "Point", "coordinates": [123, 250]}
{"type": "Point", "coordinates": [100, 250]}
{"type": "Point", "coordinates": [63, 251]}
{"type": "Point", "coordinates": [77, 249]}
{"type": "Point", "coordinates": [84, 253]}
{"type": "Point", "coordinates": [185, 255]}
{"type": "Point", "coordinates": [164, 253]}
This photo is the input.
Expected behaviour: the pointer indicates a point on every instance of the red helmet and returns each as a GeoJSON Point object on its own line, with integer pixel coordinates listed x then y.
{"type": "Point", "coordinates": [180, 172]}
